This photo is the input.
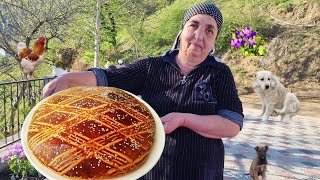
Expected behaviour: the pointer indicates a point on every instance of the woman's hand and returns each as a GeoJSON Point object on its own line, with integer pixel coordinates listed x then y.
{"type": "Point", "coordinates": [67, 80]}
{"type": "Point", "coordinates": [56, 85]}
{"type": "Point", "coordinates": [172, 121]}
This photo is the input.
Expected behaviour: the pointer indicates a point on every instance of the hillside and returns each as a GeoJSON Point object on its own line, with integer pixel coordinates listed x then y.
{"type": "Point", "coordinates": [293, 46]}
{"type": "Point", "coordinates": [290, 28]}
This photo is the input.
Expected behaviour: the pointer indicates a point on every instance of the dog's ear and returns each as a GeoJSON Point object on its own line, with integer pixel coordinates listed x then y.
{"type": "Point", "coordinates": [255, 84]}
{"type": "Point", "coordinates": [273, 82]}
{"type": "Point", "coordinates": [256, 148]}
{"type": "Point", "coordinates": [267, 147]}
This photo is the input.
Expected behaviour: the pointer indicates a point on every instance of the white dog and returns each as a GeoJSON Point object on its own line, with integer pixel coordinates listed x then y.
{"type": "Point", "coordinates": [274, 96]}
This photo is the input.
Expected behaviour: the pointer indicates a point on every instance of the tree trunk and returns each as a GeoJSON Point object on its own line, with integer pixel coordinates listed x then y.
{"type": "Point", "coordinates": [113, 30]}
{"type": "Point", "coordinates": [97, 39]}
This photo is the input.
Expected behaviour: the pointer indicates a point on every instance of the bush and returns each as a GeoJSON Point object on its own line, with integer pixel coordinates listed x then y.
{"type": "Point", "coordinates": [66, 58]}
{"type": "Point", "coordinates": [223, 39]}
{"type": "Point", "coordinates": [247, 42]}
{"type": "Point", "coordinates": [18, 163]}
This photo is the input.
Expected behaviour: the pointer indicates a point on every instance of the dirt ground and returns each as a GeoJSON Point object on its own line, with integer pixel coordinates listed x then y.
{"type": "Point", "coordinates": [309, 106]}
{"type": "Point", "coordinates": [292, 45]}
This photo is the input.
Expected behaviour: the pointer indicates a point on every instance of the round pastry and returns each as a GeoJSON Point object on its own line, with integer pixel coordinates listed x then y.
{"type": "Point", "coordinates": [91, 133]}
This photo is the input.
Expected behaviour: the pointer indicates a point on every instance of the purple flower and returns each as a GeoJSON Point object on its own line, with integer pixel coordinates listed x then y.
{"type": "Point", "coordinates": [235, 43]}
{"type": "Point", "coordinates": [4, 158]}
{"type": "Point", "coordinates": [252, 42]}
{"type": "Point", "coordinates": [247, 27]}
{"type": "Point", "coordinates": [243, 41]}
{"type": "Point", "coordinates": [246, 31]}
{"type": "Point", "coordinates": [238, 33]}
{"type": "Point", "coordinates": [22, 155]}
{"type": "Point", "coordinates": [253, 34]}
{"type": "Point", "coordinates": [15, 149]}
{"type": "Point", "coordinates": [17, 161]}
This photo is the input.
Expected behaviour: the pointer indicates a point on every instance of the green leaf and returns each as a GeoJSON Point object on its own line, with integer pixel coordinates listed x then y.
{"type": "Point", "coordinates": [32, 171]}
{"type": "Point", "coordinates": [255, 47]}
{"type": "Point", "coordinates": [234, 36]}
{"type": "Point", "coordinates": [258, 38]}
{"type": "Point", "coordinates": [241, 49]}
{"type": "Point", "coordinates": [262, 51]}
{"type": "Point", "coordinates": [14, 168]}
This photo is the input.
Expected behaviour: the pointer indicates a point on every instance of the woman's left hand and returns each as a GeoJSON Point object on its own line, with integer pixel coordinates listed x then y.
{"type": "Point", "coordinates": [172, 121]}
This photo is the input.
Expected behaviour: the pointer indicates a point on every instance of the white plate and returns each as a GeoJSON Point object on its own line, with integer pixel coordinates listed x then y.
{"type": "Point", "coordinates": [153, 157]}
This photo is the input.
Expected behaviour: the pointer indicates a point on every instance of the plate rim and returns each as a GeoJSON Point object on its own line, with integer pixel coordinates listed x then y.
{"type": "Point", "coordinates": [152, 159]}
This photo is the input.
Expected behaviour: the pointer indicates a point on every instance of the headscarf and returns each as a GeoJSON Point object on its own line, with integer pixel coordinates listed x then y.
{"type": "Point", "coordinates": [201, 8]}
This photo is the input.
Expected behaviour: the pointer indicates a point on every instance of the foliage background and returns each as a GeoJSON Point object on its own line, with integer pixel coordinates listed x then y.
{"type": "Point", "coordinates": [131, 30]}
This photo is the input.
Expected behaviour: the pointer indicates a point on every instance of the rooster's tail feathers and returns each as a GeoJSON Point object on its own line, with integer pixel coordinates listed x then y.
{"type": "Point", "coordinates": [20, 46]}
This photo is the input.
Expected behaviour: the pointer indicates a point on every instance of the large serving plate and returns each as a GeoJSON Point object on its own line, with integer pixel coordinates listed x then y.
{"type": "Point", "coordinates": [152, 159]}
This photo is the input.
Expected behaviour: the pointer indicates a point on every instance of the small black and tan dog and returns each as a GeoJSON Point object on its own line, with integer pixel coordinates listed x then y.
{"type": "Point", "coordinates": [259, 164]}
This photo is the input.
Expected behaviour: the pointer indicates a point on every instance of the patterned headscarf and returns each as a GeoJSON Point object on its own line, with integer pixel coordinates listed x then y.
{"type": "Point", "coordinates": [201, 8]}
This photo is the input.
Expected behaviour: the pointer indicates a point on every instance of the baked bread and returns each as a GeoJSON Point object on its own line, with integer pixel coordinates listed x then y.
{"type": "Point", "coordinates": [91, 132]}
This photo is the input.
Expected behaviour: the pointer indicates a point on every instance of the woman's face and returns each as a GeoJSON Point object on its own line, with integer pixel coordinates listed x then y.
{"type": "Point", "coordinates": [198, 37]}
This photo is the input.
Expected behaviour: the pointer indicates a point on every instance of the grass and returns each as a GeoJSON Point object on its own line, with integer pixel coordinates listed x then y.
{"type": "Point", "coordinates": [159, 30]}
{"type": "Point", "coordinates": [312, 72]}
{"type": "Point", "coordinates": [286, 4]}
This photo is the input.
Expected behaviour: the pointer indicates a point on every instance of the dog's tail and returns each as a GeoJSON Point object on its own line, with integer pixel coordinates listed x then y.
{"type": "Point", "coordinates": [291, 104]}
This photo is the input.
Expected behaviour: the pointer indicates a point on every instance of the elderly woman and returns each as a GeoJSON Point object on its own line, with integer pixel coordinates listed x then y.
{"type": "Point", "coordinates": [194, 95]}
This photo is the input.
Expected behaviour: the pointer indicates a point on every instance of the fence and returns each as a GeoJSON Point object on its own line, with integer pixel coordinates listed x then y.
{"type": "Point", "coordinates": [16, 101]}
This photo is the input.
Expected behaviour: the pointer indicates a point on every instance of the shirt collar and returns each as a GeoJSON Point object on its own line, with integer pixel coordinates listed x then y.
{"type": "Point", "coordinates": [169, 56]}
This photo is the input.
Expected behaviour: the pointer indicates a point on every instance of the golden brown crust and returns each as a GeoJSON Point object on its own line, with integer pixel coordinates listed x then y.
{"type": "Point", "coordinates": [91, 132]}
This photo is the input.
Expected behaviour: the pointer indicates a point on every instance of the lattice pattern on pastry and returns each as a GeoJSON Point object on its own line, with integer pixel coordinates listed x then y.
{"type": "Point", "coordinates": [110, 128]}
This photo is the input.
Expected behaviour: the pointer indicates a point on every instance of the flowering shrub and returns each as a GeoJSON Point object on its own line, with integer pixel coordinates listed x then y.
{"type": "Point", "coordinates": [247, 42]}
{"type": "Point", "coordinates": [18, 163]}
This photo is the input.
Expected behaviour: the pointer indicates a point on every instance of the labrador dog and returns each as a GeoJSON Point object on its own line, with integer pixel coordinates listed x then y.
{"type": "Point", "coordinates": [276, 100]}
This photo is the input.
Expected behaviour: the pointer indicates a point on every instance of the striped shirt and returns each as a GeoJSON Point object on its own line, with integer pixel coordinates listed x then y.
{"type": "Point", "coordinates": [207, 90]}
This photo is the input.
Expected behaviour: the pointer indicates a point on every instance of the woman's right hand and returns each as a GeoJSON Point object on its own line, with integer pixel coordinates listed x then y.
{"type": "Point", "coordinates": [56, 85]}
{"type": "Point", "coordinates": [67, 80]}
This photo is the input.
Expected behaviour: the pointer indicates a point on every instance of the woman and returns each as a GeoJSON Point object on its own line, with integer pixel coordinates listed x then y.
{"type": "Point", "coordinates": [194, 95]}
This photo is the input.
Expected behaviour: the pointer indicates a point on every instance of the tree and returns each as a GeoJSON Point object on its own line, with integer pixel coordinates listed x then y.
{"type": "Point", "coordinates": [122, 16]}
{"type": "Point", "coordinates": [26, 20]}
{"type": "Point", "coordinates": [97, 34]}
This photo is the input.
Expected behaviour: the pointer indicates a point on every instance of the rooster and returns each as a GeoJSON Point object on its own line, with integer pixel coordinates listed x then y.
{"type": "Point", "coordinates": [31, 58]}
